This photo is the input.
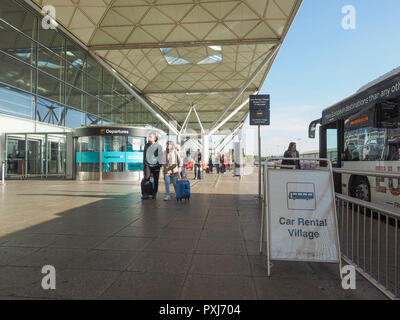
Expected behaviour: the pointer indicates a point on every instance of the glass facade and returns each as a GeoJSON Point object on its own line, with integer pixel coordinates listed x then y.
{"type": "Point", "coordinates": [45, 76]}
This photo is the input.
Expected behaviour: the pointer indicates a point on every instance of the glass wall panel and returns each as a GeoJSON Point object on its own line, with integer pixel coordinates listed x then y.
{"type": "Point", "coordinates": [16, 103]}
{"type": "Point", "coordinates": [113, 153]}
{"type": "Point", "coordinates": [16, 73]}
{"type": "Point", "coordinates": [75, 55]}
{"type": "Point", "coordinates": [94, 69]}
{"type": "Point", "coordinates": [16, 44]}
{"type": "Point", "coordinates": [50, 88]}
{"type": "Point", "coordinates": [75, 76]}
{"type": "Point", "coordinates": [93, 106]}
{"type": "Point", "coordinates": [19, 17]}
{"type": "Point", "coordinates": [75, 98]}
{"type": "Point", "coordinates": [92, 119]}
{"type": "Point", "coordinates": [134, 153]}
{"type": "Point", "coordinates": [93, 87]}
{"type": "Point", "coordinates": [50, 112]}
{"type": "Point", "coordinates": [87, 154]}
{"type": "Point", "coordinates": [50, 62]}
{"type": "Point", "coordinates": [74, 118]}
{"type": "Point", "coordinates": [53, 40]}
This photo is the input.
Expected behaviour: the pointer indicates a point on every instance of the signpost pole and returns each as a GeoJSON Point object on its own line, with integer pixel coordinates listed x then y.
{"type": "Point", "coordinates": [259, 161]}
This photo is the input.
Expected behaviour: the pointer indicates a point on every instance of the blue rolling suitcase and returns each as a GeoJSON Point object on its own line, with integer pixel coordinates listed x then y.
{"type": "Point", "coordinates": [182, 190]}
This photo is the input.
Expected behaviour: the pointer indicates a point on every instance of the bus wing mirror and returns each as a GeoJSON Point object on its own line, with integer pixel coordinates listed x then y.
{"type": "Point", "coordinates": [312, 128]}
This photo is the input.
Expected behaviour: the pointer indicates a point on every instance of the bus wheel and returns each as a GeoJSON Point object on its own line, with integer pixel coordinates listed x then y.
{"type": "Point", "coordinates": [361, 189]}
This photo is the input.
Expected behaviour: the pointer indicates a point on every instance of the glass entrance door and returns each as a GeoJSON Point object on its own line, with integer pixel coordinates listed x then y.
{"type": "Point", "coordinates": [15, 145]}
{"type": "Point", "coordinates": [35, 160]}
{"type": "Point", "coordinates": [56, 151]}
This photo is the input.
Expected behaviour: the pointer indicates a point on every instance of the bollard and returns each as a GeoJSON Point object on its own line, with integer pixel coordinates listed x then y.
{"type": "Point", "coordinates": [3, 172]}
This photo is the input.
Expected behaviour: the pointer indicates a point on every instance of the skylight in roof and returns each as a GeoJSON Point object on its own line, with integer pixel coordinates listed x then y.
{"type": "Point", "coordinates": [165, 50]}
{"type": "Point", "coordinates": [217, 58]}
{"type": "Point", "coordinates": [176, 60]}
{"type": "Point", "coordinates": [216, 48]}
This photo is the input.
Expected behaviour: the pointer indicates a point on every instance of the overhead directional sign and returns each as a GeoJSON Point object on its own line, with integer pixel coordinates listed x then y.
{"type": "Point", "coordinates": [259, 110]}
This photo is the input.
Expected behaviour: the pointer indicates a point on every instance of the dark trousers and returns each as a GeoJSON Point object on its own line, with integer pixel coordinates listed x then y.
{"type": "Point", "coordinates": [210, 165]}
{"type": "Point", "coordinates": [217, 165]}
{"type": "Point", "coordinates": [196, 170]}
{"type": "Point", "coordinates": [152, 171]}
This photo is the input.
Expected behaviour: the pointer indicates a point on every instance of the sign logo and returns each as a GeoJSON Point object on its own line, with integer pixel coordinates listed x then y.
{"type": "Point", "coordinates": [102, 131]}
{"type": "Point", "coordinates": [301, 196]}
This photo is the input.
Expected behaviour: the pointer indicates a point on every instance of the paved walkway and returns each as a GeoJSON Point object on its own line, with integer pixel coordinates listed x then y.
{"type": "Point", "coordinates": [105, 243]}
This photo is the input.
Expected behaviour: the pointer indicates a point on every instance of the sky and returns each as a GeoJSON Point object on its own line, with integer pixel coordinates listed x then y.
{"type": "Point", "coordinates": [320, 63]}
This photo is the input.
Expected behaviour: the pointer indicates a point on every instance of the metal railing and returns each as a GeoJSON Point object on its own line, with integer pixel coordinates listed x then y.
{"type": "Point", "coordinates": [369, 236]}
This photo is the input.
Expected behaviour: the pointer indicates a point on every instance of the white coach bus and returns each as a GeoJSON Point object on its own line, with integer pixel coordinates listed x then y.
{"type": "Point", "coordinates": [364, 132]}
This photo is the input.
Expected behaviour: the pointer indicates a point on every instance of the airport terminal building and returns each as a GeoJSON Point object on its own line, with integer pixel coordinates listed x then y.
{"type": "Point", "coordinates": [50, 85]}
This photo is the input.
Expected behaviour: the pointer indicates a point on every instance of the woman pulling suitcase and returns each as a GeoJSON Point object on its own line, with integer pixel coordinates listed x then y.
{"type": "Point", "coordinates": [172, 162]}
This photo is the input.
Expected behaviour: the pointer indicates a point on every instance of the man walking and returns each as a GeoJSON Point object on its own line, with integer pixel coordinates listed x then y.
{"type": "Point", "coordinates": [197, 160]}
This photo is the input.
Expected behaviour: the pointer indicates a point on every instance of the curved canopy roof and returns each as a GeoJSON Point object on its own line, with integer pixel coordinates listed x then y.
{"type": "Point", "coordinates": [209, 53]}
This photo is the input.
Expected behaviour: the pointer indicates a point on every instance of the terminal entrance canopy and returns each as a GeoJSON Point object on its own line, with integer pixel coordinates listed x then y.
{"type": "Point", "coordinates": [180, 53]}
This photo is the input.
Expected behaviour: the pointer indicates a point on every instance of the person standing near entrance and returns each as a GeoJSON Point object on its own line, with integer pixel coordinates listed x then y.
{"type": "Point", "coordinates": [197, 160]}
{"type": "Point", "coordinates": [210, 164]}
{"type": "Point", "coordinates": [291, 152]}
{"type": "Point", "coordinates": [216, 162]}
{"type": "Point", "coordinates": [152, 154]}
{"type": "Point", "coordinates": [223, 169]}
{"type": "Point", "coordinates": [172, 162]}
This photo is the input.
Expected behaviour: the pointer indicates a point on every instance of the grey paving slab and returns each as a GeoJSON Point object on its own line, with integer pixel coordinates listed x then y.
{"type": "Point", "coordinates": [220, 265]}
{"type": "Point", "coordinates": [104, 260]}
{"type": "Point", "coordinates": [77, 241]}
{"type": "Point", "coordinates": [29, 240]}
{"type": "Point", "coordinates": [172, 245]}
{"type": "Point", "coordinates": [275, 288]}
{"type": "Point", "coordinates": [252, 247]}
{"type": "Point", "coordinates": [145, 286]}
{"type": "Point", "coordinates": [221, 233]}
{"type": "Point", "coordinates": [221, 246]}
{"type": "Point", "coordinates": [9, 255]}
{"type": "Point", "coordinates": [187, 224]}
{"type": "Point", "coordinates": [207, 287]}
{"type": "Point", "coordinates": [179, 233]}
{"type": "Point", "coordinates": [70, 284]}
{"type": "Point", "coordinates": [141, 231]}
{"type": "Point", "coordinates": [60, 258]}
{"type": "Point", "coordinates": [162, 262]}
{"type": "Point", "coordinates": [125, 243]}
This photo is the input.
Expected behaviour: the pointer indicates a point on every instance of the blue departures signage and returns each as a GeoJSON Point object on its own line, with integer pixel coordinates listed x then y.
{"type": "Point", "coordinates": [133, 160]}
